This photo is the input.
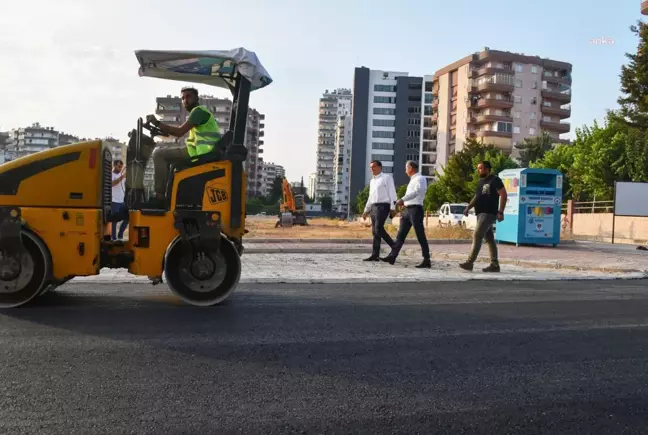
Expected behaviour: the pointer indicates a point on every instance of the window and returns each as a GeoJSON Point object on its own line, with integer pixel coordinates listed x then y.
{"type": "Point", "coordinates": [411, 109]}
{"type": "Point", "coordinates": [382, 146]}
{"type": "Point", "coordinates": [519, 68]}
{"type": "Point", "coordinates": [517, 114]}
{"type": "Point", "coordinates": [388, 169]}
{"type": "Point", "coordinates": [534, 100]}
{"type": "Point", "coordinates": [516, 129]}
{"type": "Point", "coordinates": [414, 133]}
{"type": "Point", "coordinates": [504, 127]}
{"type": "Point", "coordinates": [383, 111]}
{"type": "Point", "coordinates": [547, 119]}
{"type": "Point", "coordinates": [383, 157]}
{"type": "Point", "coordinates": [532, 131]}
{"type": "Point", "coordinates": [414, 121]}
{"type": "Point", "coordinates": [518, 83]}
{"type": "Point", "coordinates": [428, 98]}
{"type": "Point", "coordinates": [384, 100]}
{"type": "Point", "coordinates": [428, 86]}
{"type": "Point", "coordinates": [532, 115]}
{"type": "Point", "coordinates": [534, 85]}
{"type": "Point", "coordinates": [517, 98]}
{"type": "Point", "coordinates": [383, 134]}
{"type": "Point", "coordinates": [384, 123]}
{"type": "Point", "coordinates": [384, 88]}
{"type": "Point", "coordinates": [534, 69]}
{"type": "Point", "coordinates": [427, 110]}
{"type": "Point", "coordinates": [546, 103]}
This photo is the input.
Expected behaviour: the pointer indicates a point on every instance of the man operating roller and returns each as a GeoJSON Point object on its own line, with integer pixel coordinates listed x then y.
{"type": "Point", "coordinates": [204, 136]}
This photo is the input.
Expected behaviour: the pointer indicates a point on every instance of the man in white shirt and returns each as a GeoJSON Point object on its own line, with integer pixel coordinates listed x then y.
{"type": "Point", "coordinates": [118, 206]}
{"type": "Point", "coordinates": [412, 216]}
{"type": "Point", "coordinates": [380, 204]}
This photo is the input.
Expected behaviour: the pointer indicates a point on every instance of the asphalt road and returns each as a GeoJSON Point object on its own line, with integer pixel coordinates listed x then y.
{"type": "Point", "coordinates": [464, 357]}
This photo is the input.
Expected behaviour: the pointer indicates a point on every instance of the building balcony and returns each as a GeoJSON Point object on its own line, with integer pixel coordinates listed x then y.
{"type": "Point", "coordinates": [500, 103]}
{"type": "Point", "coordinates": [562, 78]}
{"type": "Point", "coordinates": [503, 86]}
{"type": "Point", "coordinates": [435, 103]}
{"type": "Point", "coordinates": [560, 127]}
{"type": "Point", "coordinates": [492, 69]}
{"type": "Point", "coordinates": [491, 133]}
{"type": "Point", "coordinates": [482, 119]}
{"type": "Point", "coordinates": [562, 112]}
{"type": "Point", "coordinates": [429, 146]}
{"type": "Point", "coordinates": [562, 95]}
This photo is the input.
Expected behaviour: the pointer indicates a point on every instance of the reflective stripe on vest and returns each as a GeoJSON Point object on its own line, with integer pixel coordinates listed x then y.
{"type": "Point", "coordinates": [203, 138]}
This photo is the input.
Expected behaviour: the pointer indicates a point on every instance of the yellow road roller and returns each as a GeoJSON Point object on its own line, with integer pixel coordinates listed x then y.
{"type": "Point", "coordinates": [54, 205]}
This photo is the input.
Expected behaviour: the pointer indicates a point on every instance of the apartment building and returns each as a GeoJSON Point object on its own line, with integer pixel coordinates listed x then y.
{"type": "Point", "coordinates": [270, 172]}
{"type": "Point", "coordinates": [386, 124]}
{"type": "Point", "coordinates": [342, 162]}
{"type": "Point", "coordinates": [22, 142]}
{"type": "Point", "coordinates": [332, 105]}
{"type": "Point", "coordinates": [117, 148]}
{"type": "Point", "coordinates": [312, 183]}
{"type": "Point", "coordinates": [171, 111]}
{"type": "Point", "coordinates": [497, 97]}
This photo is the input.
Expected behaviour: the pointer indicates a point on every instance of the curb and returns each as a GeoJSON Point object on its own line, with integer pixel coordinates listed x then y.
{"type": "Point", "coordinates": [365, 241]}
{"type": "Point", "coordinates": [348, 241]}
{"type": "Point", "coordinates": [541, 265]}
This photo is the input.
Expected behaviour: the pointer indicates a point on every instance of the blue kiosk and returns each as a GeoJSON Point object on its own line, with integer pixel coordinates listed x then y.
{"type": "Point", "coordinates": [534, 207]}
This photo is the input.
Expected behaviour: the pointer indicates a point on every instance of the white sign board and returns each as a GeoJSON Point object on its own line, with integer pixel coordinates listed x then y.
{"type": "Point", "coordinates": [631, 199]}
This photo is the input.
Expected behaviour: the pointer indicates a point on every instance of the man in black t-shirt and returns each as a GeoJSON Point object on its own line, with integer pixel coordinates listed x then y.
{"type": "Point", "coordinates": [489, 203]}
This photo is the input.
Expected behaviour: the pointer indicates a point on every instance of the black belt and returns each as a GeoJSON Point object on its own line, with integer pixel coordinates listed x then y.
{"type": "Point", "coordinates": [413, 205]}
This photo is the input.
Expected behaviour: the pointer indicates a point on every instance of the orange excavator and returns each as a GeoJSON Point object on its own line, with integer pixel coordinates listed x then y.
{"type": "Point", "coordinates": [292, 209]}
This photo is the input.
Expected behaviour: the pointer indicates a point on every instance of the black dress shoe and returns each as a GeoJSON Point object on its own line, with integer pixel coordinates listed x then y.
{"type": "Point", "coordinates": [389, 259]}
{"type": "Point", "coordinates": [372, 258]}
{"type": "Point", "coordinates": [425, 264]}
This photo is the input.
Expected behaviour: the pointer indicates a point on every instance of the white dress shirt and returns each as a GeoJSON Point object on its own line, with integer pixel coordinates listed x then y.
{"type": "Point", "coordinates": [415, 194]}
{"type": "Point", "coordinates": [381, 190]}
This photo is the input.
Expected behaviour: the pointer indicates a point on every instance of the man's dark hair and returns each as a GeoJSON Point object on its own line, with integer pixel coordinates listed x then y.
{"type": "Point", "coordinates": [487, 165]}
{"type": "Point", "coordinates": [412, 164]}
{"type": "Point", "coordinates": [117, 162]}
{"type": "Point", "coordinates": [377, 163]}
{"type": "Point", "coordinates": [190, 89]}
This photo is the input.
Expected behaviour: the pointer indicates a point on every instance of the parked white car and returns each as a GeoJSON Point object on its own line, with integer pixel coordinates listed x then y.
{"type": "Point", "coordinates": [451, 214]}
{"type": "Point", "coordinates": [470, 222]}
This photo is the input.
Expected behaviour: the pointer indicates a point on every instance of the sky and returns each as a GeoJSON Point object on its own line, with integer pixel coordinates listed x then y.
{"type": "Point", "coordinates": [70, 64]}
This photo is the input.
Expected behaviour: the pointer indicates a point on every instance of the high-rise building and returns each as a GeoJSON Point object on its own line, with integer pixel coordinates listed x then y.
{"type": "Point", "coordinates": [342, 162]}
{"type": "Point", "coordinates": [36, 138]}
{"type": "Point", "coordinates": [312, 183]}
{"type": "Point", "coordinates": [386, 124]}
{"type": "Point", "coordinates": [497, 97]}
{"type": "Point", "coordinates": [332, 105]}
{"type": "Point", "coordinates": [270, 172]}
{"type": "Point", "coordinates": [117, 148]}
{"type": "Point", "coordinates": [171, 111]}
{"type": "Point", "coordinates": [4, 138]}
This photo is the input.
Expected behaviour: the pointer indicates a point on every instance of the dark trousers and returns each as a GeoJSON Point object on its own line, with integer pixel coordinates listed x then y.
{"type": "Point", "coordinates": [379, 214]}
{"type": "Point", "coordinates": [119, 209]}
{"type": "Point", "coordinates": [412, 216]}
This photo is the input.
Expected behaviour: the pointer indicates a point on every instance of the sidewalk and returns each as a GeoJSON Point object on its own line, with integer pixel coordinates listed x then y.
{"type": "Point", "coordinates": [589, 256]}
{"type": "Point", "coordinates": [327, 268]}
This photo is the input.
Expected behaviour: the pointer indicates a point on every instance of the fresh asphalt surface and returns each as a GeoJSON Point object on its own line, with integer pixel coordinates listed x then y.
{"type": "Point", "coordinates": [461, 357]}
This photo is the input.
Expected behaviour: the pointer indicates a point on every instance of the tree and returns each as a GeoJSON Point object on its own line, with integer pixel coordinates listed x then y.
{"type": "Point", "coordinates": [400, 192]}
{"type": "Point", "coordinates": [460, 178]}
{"type": "Point", "coordinates": [327, 203]}
{"type": "Point", "coordinates": [276, 191]}
{"type": "Point", "coordinates": [634, 82]}
{"type": "Point", "coordinates": [534, 148]}
{"type": "Point", "coordinates": [560, 158]}
{"type": "Point", "coordinates": [361, 200]}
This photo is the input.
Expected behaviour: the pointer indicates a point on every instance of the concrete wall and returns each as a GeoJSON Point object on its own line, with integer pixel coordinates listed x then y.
{"type": "Point", "coordinates": [598, 226]}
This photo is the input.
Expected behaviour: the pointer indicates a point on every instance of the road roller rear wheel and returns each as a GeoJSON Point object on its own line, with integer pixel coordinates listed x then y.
{"type": "Point", "coordinates": [205, 278]}
{"type": "Point", "coordinates": [23, 280]}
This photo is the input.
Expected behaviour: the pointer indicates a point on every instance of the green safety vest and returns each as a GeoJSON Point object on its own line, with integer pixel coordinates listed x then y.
{"type": "Point", "coordinates": [203, 138]}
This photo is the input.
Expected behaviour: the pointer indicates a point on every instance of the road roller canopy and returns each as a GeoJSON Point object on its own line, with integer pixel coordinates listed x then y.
{"type": "Point", "coordinates": [218, 68]}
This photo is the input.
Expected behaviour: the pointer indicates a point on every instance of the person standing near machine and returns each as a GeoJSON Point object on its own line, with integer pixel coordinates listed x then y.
{"type": "Point", "coordinates": [118, 204]}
